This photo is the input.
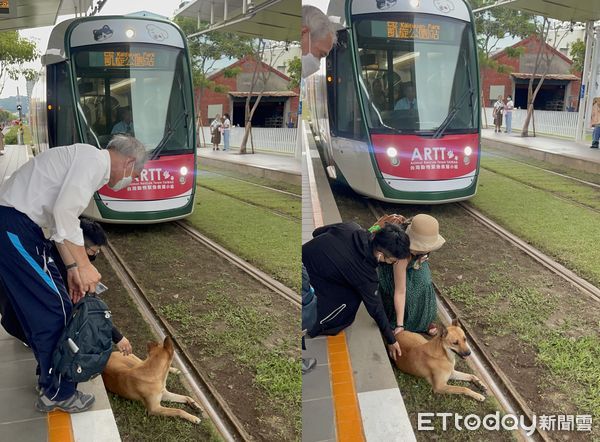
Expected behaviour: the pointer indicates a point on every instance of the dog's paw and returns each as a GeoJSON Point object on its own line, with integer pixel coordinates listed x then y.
{"type": "Point", "coordinates": [174, 370]}
{"type": "Point", "coordinates": [479, 397]}
{"type": "Point", "coordinates": [192, 403]}
{"type": "Point", "coordinates": [481, 386]}
{"type": "Point", "coordinates": [196, 420]}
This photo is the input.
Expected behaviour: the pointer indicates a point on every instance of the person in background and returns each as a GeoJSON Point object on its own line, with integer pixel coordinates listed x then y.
{"type": "Point", "coordinates": [317, 37]}
{"type": "Point", "coordinates": [215, 132]}
{"type": "Point", "coordinates": [595, 122]}
{"type": "Point", "coordinates": [51, 191]}
{"type": "Point", "coordinates": [508, 110]}
{"type": "Point", "coordinates": [497, 114]}
{"type": "Point", "coordinates": [226, 128]}
{"type": "Point", "coordinates": [125, 126]}
{"type": "Point", "coordinates": [409, 102]}
{"type": "Point", "coordinates": [341, 261]}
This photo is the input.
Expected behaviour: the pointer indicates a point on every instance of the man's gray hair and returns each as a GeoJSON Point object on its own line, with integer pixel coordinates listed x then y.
{"type": "Point", "coordinates": [130, 147]}
{"type": "Point", "coordinates": [319, 24]}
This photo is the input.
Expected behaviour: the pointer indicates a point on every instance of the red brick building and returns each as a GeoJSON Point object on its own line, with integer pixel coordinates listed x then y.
{"type": "Point", "coordinates": [560, 90]}
{"type": "Point", "coordinates": [277, 107]}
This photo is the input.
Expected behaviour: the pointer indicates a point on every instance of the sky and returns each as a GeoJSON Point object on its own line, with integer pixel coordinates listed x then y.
{"type": "Point", "coordinates": [112, 7]}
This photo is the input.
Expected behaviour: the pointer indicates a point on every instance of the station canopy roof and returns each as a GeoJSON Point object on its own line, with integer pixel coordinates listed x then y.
{"type": "Point", "coordinates": [22, 14]}
{"type": "Point", "coordinates": [564, 10]}
{"type": "Point", "coordinates": [278, 20]}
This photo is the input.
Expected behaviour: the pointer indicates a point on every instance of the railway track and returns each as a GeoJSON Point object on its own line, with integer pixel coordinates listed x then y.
{"type": "Point", "coordinates": [272, 284]}
{"type": "Point", "coordinates": [545, 260]}
{"type": "Point", "coordinates": [552, 172]}
{"type": "Point", "coordinates": [253, 204]}
{"type": "Point", "coordinates": [480, 362]}
{"type": "Point", "coordinates": [292, 194]}
{"type": "Point", "coordinates": [211, 401]}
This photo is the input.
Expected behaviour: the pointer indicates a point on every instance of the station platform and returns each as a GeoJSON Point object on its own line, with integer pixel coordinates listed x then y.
{"type": "Point", "coordinates": [352, 394]}
{"type": "Point", "coordinates": [20, 421]}
{"type": "Point", "coordinates": [11, 158]}
{"type": "Point", "coordinates": [559, 151]}
{"type": "Point", "coordinates": [271, 166]}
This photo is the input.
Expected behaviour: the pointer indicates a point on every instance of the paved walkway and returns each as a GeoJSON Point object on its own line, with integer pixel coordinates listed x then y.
{"type": "Point", "coordinates": [554, 150]}
{"type": "Point", "coordinates": [282, 163]}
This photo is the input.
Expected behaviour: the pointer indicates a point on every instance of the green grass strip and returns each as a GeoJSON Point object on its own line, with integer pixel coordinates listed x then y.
{"type": "Point", "coordinates": [542, 180]}
{"type": "Point", "coordinates": [561, 229]}
{"type": "Point", "coordinates": [277, 201]}
{"type": "Point", "coordinates": [281, 185]}
{"type": "Point", "coordinates": [268, 241]}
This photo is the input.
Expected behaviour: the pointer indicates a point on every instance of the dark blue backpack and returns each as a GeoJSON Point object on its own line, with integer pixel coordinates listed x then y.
{"type": "Point", "coordinates": [85, 345]}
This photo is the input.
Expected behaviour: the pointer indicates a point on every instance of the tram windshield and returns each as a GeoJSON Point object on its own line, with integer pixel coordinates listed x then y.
{"type": "Point", "coordinates": [138, 89]}
{"type": "Point", "coordinates": [418, 74]}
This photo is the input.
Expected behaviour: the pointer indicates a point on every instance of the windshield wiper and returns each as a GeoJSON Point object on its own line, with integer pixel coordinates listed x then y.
{"type": "Point", "coordinates": [468, 93]}
{"type": "Point", "coordinates": [170, 131]}
{"type": "Point", "coordinates": [442, 127]}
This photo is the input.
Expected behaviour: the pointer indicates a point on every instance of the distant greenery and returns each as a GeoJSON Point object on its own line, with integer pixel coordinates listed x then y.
{"type": "Point", "coordinates": [11, 136]}
{"type": "Point", "coordinates": [577, 54]}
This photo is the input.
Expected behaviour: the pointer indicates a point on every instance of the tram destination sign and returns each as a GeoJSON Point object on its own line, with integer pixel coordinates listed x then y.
{"type": "Point", "coordinates": [411, 29]}
{"type": "Point", "coordinates": [146, 59]}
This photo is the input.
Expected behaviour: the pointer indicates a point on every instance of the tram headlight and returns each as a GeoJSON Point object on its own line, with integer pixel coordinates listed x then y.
{"type": "Point", "coordinates": [392, 154]}
{"type": "Point", "coordinates": [468, 151]}
{"type": "Point", "coordinates": [129, 33]}
{"type": "Point", "coordinates": [415, 3]}
{"type": "Point", "coordinates": [183, 171]}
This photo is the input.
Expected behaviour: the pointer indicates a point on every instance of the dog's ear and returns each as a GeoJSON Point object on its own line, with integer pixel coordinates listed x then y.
{"type": "Point", "coordinates": [151, 345]}
{"type": "Point", "coordinates": [443, 331]}
{"type": "Point", "coordinates": [168, 343]}
{"type": "Point", "coordinates": [455, 322]}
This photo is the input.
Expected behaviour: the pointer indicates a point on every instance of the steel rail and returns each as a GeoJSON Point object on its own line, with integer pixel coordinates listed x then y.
{"type": "Point", "coordinates": [285, 192]}
{"type": "Point", "coordinates": [257, 274]}
{"type": "Point", "coordinates": [213, 403]}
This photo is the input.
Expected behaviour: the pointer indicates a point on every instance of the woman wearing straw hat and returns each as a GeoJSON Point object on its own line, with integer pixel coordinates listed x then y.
{"type": "Point", "coordinates": [406, 287]}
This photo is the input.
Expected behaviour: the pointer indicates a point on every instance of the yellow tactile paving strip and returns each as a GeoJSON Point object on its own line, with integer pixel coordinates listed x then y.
{"type": "Point", "coordinates": [348, 420]}
{"type": "Point", "coordinates": [59, 427]}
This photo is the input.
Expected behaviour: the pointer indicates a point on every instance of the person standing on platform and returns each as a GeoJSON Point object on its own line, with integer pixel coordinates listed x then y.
{"type": "Point", "coordinates": [51, 191]}
{"type": "Point", "coordinates": [595, 122]}
{"type": "Point", "coordinates": [317, 38]}
{"type": "Point", "coordinates": [215, 132]}
{"type": "Point", "coordinates": [508, 110]}
{"type": "Point", "coordinates": [226, 131]}
{"type": "Point", "coordinates": [497, 114]}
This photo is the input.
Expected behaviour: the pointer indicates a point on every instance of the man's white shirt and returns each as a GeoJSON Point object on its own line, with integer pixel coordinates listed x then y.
{"type": "Point", "coordinates": [55, 187]}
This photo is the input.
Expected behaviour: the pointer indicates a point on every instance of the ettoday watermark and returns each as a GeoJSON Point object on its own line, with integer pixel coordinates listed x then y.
{"type": "Point", "coordinates": [507, 422]}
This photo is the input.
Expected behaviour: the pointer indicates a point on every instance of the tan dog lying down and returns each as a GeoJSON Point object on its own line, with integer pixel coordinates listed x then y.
{"type": "Point", "coordinates": [434, 359]}
{"type": "Point", "coordinates": [132, 378]}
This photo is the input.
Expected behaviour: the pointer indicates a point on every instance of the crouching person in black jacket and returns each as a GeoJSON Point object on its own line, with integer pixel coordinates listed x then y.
{"type": "Point", "coordinates": [341, 261]}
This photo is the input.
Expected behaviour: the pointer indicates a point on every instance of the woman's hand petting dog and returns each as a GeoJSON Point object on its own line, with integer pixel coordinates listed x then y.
{"type": "Point", "coordinates": [394, 350]}
{"type": "Point", "coordinates": [124, 346]}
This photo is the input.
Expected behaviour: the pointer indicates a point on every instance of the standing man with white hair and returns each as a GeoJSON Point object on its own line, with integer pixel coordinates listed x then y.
{"type": "Point", "coordinates": [51, 191]}
{"type": "Point", "coordinates": [317, 38]}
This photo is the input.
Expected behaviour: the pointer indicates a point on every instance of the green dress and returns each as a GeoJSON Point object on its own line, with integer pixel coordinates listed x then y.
{"type": "Point", "coordinates": [420, 308]}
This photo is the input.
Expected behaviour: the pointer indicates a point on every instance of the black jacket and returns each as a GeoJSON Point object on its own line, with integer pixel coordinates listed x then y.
{"type": "Point", "coordinates": [343, 272]}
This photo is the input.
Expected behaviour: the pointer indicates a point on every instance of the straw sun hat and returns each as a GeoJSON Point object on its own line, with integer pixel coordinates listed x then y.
{"type": "Point", "coordinates": [424, 234]}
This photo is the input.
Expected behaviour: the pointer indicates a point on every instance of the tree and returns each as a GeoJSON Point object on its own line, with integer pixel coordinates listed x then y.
{"type": "Point", "coordinates": [6, 116]}
{"type": "Point", "coordinates": [577, 54]}
{"type": "Point", "coordinates": [260, 79]}
{"type": "Point", "coordinates": [205, 51]}
{"type": "Point", "coordinates": [294, 68]}
{"type": "Point", "coordinates": [543, 61]}
{"type": "Point", "coordinates": [14, 51]}
{"type": "Point", "coordinates": [495, 24]}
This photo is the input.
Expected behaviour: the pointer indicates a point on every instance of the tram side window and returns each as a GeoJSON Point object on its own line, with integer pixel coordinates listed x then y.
{"type": "Point", "coordinates": [62, 130]}
{"type": "Point", "coordinates": [348, 119]}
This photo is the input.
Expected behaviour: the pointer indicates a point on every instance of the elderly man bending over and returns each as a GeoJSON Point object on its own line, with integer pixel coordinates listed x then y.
{"type": "Point", "coordinates": [317, 38]}
{"type": "Point", "coordinates": [51, 191]}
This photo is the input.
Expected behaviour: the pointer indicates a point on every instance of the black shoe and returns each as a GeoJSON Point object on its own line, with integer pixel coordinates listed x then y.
{"type": "Point", "coordinates": [594, 145]}
{"type": "Point", "coordinates": [308, 365]}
